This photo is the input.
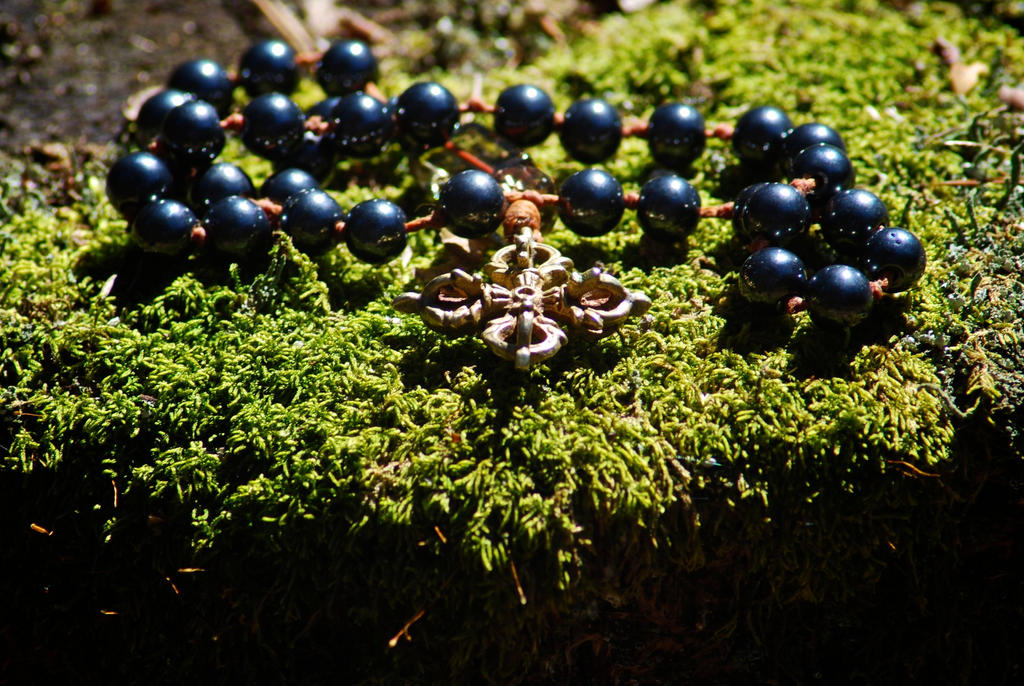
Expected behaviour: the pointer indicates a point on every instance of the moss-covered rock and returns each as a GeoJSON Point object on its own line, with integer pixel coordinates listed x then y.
{"type": "Point", "coordinates": [265, 470]}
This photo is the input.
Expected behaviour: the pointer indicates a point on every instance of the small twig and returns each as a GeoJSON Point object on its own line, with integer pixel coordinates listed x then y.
{"type": "Point", "coordinates": [912, 469]}
{"type": "Point", "coordinates": [291, 28]}
{"type": "Point", "coordinates": [970, 183]}
{"type": "Point", "coordinates": [404, 631]}
{"type": "Point", "coordinates": [519, 586]}
{"type": "Point", "coordinates": [950, 404]}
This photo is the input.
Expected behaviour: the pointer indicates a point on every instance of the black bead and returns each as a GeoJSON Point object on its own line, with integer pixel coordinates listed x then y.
{"type": "Point", "coordinates": [771, 274]}
{"type": "Point", "coordinates": [363, 125]}
{"type": "Point", "coordinates": [272, 125]}
{"type": "Point", "coordinates": [309, 218]}
{"type": "Point", "coordinates": [164, 226]}
{"type": "Point", "coordinates": [192, 134]}
{"type": "Point", "coordinates": [896, 254]}
{"type": "Point", "coordinates": [286, 183]}
{"type": "Point", "coordinates": [757, 138]}
{"type": "Point", "coordinates": [590, 202]}
{"type": "Point", "coordinates": [675, 134]}
{"type": "Point", "coordinates": [219, 181]}
{"type": "Point", "coordinates": [839, 295]}
{"type": "Point", "coordinates": [268, 67]}
{"type": "Point", "coordinates": [237, 227]}
{"type": "Point", "coordinates": [427, 112]}
{"type": "Point", "coordinates": [137, 179]}
{"type": "Point", "coordinates": [324, 108]}
{"type": "Point", "coordinates": [591, 130]}
{"type": "Point", "coordinates": [668, 208]}
{"type": "Point", "coordinates": [152, 113]}
{"type": "Point", "coordinates": [207, 80]}
{"type": "Point", "coordinates": [739, 205]}
{"type": "Point", "coordinates": [806, 135]}
{"type": "Point", "coordinates": [777, 212]}
{"type": "Point", "coordinates": [830, 168]}
{"type": "Point", "coordinates": [850, 217]}
{"type": "Point", "coordinates": [314, 154]}
{"type": "Point", "coordinates": [524, 114]}
{"type": "Point", "coordinates": [347, 66]}
{"type": "Point", "coordinates": [473, 203]}
{"type": "Point", "coordinates": [375, 231]}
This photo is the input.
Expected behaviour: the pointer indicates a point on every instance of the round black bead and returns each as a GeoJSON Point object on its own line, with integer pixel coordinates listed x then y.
{"type": "Point", "coordinates": [313, 153]}
{"type": "Point", "coordinates": [830, 168]}
{"type": "Point", "coordinates": [137, 179]}
{"type": "Point", "coordinates": [896, 254]}
{"type": "Point", "coordinates": [839, 294]}
{"type": "Point", "coordinates": [207, 80]}
{"type": "Point", "coordinates": [473, 203]}
{"type": "Point", "coordinates": [272, 124]}
{"type": "Point", "coordinates": [375, 231]}
{"type": "Point", "coordinates": [324, 108]}
{"type": "Point", "coordinates": [850, 217]}
{"type": "Point", "coordinates": [363, 125]}
{"type": "Point", "coordinates": [591, 202]}
{"type": "Point", "coordinates": [268, 67]}
{"type": "Point", "coordinates": [591, 130]}
{"type": "Point", "coordinates": [347, 66]}
{"type": "Point", "coordinates": [192, 134]}
{"type": "Point", "coordinates": [153, 111]}
{"type": "Point", "coordinates": [675, 134]}
{"type": "Point", "coordinates": [237, 227]}
{"type": "Point", "coordinates": [739, 205]}
{"type": "Point", "coordinates": [427, 112]}
{"type": "Point", "coordinates": [668, 208]}
{"type": "Point", "coordinates": [286, 183]}
{"type": "Point", "coordinates": [217, 182]}
{"type": "Point", "coordinates": [806, 135]}
{"type": "Point", "coordinates": [757, 138]}
{"type": "Point", "coordinates": [777, 212]}
{"type": "Point", "coordinates": [164, 226]}
{"type": "Point", "coordinates": [524, 114]}
{"type": "Point", "coordinates": [309, 218]}
{"type": "Point", "coordinates": [771, 274]}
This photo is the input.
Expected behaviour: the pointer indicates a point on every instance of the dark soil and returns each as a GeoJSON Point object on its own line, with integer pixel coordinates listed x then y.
{"type": "Point", "coordinates": [68, 66]}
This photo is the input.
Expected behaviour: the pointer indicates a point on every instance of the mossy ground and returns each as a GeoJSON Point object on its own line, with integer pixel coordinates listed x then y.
{"type": "Point", "coordinates": [264, 470]}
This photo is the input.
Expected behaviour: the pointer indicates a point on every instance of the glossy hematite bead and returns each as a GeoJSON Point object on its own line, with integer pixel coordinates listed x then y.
{"type": "Point", "coordinates": [668, 208]}
{"type": "Point", "coordinates": [591, 131]}
{"type": "Point", "coordinates": [591, 202]}
{"type": "Point", "coordinates": [473, 203]}
{"type": "Point", "coordinates": [375, 231]}
{"type": "Point", "coordinates": [675, 135]}
{"type": "Point", "coordinates": [524, 114]}
{"type": "Point", "coordinates": [839, 295]}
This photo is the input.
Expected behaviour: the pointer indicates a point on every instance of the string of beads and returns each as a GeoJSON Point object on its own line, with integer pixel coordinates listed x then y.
{"type": "Point", "coordinates": [176, 196]}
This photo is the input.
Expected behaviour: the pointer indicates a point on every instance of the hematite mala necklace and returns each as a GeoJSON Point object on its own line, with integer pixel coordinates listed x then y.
{"type": "Point", "coordinates": [175, 197]}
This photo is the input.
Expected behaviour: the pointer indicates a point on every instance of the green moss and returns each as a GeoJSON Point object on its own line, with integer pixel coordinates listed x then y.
{"type": "Point", "coordinates": [335, 468]}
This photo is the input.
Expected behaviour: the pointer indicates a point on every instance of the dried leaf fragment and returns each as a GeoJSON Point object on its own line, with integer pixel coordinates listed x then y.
{"type": "Point", "coordinates": [964, 77]}
{"type": "Point", "coordinates": [1014, 97]}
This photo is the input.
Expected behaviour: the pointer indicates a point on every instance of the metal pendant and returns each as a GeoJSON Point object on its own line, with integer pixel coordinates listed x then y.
{"type": "Point", "coordinates": [532, 298]}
